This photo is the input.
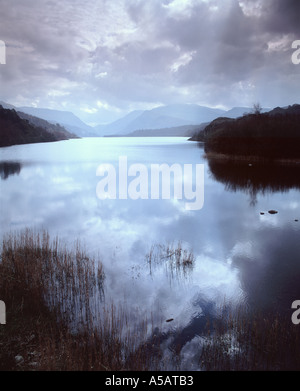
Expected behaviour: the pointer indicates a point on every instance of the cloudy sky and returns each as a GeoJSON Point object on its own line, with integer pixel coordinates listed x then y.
{"type": "Point", "coordinates": [101, 59]}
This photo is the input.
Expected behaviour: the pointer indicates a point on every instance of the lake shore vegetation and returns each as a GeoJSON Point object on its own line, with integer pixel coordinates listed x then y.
{"type": "Point", "coordinates": [51, 325]}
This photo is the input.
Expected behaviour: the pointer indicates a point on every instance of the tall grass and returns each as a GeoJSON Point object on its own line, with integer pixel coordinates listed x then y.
{"type": "Point", "coordinates": [243, 340]}
{"type": "Point", "coordinates": [178, 261]}
{"type": "Point", "coordinates": [56, 318]}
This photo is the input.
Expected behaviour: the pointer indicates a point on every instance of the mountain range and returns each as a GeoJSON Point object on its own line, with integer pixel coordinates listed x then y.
{"type": "Point", "coordinates": [170, 120]}
{"type": "Point", "coordinates": [161, 118]}
{"type": "Point", "coordinates": [144, 123]}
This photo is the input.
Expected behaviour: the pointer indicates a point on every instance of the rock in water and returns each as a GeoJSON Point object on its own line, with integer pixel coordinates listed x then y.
{"type": "Point", "coordinates": [273, 212]}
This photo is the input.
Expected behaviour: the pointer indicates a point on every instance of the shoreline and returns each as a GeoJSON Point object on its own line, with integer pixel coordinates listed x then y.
{"type": "Point", "coordinates": [38, 335]}
{"type": "Point", "coordinates": [250, 159]}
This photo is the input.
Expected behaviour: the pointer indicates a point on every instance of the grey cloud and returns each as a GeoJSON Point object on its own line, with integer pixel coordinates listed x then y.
{"type": "Point", "coordinates": [282, 16]}
{"type": "Point", "coordinates": [130, 51]}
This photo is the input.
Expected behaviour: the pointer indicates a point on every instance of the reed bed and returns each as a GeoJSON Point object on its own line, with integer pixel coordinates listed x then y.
{"type": "Point", "coordinates": [244, 340]}
{"type": "Point", "coordinates": [56, 317]}
{"type": "Point", "coordinates": [178, 261]}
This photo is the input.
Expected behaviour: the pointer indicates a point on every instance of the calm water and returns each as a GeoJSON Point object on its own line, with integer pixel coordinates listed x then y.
{"type": "Point", "coordinates": [240, 254]}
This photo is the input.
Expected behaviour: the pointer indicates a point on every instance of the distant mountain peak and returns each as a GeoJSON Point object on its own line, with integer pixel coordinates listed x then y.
{"type": "Point", "coordinates": [161, 117]}
{"type": "Point", "coordinates": [67, 119]}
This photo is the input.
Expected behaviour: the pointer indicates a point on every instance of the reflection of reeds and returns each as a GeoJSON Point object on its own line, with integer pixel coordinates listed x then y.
{"type": "Point", "coordinates": [175, 258]}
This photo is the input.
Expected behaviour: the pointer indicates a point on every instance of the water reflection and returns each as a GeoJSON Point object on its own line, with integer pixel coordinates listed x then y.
{"type": "Point", "coordinates": [9, 168]}
{"type": "Point", "coordinates": [236, 252]}
{"type": "Point", "coordinates": [256, 177]}
{"type": "Point", "coordinates": [270, 272]}
{"type": "Point", "coordinates": [177, 260]}
{"type": "Point", "coordinates": [267, 257]}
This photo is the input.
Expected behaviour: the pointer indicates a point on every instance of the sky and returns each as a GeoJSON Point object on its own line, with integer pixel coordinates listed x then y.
{"type": "Point", "coordinates": [101, 59]}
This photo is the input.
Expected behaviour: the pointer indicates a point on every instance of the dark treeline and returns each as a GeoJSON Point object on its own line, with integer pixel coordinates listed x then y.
{"type": "Point", "coordinates": [272, 135]}
{"type": "Point", "coordinates": [15, 130]}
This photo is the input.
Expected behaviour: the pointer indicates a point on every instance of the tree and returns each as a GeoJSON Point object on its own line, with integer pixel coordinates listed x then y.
{"type": "Point", "coordinates": [257, 109]}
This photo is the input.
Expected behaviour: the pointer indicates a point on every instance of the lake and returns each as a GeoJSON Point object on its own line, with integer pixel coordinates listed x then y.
{"type": "Point", "coordinates": [242, 253]}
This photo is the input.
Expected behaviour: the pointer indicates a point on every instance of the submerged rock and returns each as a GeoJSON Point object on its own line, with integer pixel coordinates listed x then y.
{"type": "Point", "coordinates": [273, 212]}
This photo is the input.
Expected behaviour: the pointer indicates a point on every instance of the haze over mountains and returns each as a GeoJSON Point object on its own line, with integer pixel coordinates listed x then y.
{"type": "Point", "coordinates": [64, 118]}
{"type": "Point", "coordinates": [162, 117]}
{"type": "Point", "coordinates": [171, 120]}
{"type": "Point", "coordinates": [19, 128]}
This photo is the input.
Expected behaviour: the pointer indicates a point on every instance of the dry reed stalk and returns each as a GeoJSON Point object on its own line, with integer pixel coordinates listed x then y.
{"type": "Point", "coordinates": [58, 292]}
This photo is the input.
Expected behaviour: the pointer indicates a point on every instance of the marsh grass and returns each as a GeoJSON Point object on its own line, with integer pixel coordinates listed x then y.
{"type": "Point", "coordinates": [242, 340]}
{"type": "Point", "coordinates": [177, 260]}
{"type": "Point", "coordinates": [56, 318]}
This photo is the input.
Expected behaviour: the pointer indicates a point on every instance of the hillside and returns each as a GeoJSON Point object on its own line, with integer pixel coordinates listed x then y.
{"type": "Point", "coordinates": [175, 115]}
{"type": "Point", "coordinates": [55, 129]}
{"type": "Point", "coordinates": [118, 127]}
{"type": "Point", "coordinates": [15, 130]}
{"type": "Point", "coordinates": [236, 112]}
{"type": "Point", "coordinates": [177, 131]}
{"type": "Point", "coordinates": [272, 135]}
{"type": "Point", "coordinates": [65, 118]}
{"type": "Point", "coordinates": [162, 117]}
{"type": "Point", "coordinates": [167, 121]}
{"type": "Point", "coordinates": [164, 121]}
{"type": "Point", "coordinates": [216, 125]}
